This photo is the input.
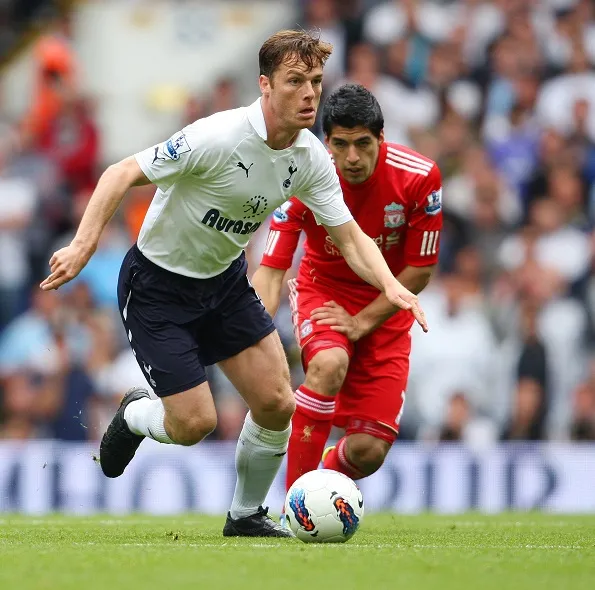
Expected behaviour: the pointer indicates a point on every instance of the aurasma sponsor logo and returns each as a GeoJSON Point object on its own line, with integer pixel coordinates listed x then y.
{"type": "Point", "coordinates": [214, 219]}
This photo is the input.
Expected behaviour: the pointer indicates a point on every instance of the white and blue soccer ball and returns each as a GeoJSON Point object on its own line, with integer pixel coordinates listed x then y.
{"type": "Point", "coordinates": [324, 506]}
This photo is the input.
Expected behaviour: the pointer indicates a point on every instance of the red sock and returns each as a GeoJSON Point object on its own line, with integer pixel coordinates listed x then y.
{"type": "Point", "coordinates": [311, 425]}
{"type": "Point", "coordinates": [337, 460]}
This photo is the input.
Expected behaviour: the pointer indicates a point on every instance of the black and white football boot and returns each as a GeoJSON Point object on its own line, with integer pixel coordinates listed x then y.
{"type": "Point", "coordinates": [255, 525]}
{"type": "Point", "coordinates": [119, 444]}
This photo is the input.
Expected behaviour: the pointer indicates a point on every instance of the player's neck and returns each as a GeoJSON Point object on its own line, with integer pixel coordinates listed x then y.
{"type": "Point", "coordinates": [281, 139]}
{"type": "Point", "coordinates": [278, 137]}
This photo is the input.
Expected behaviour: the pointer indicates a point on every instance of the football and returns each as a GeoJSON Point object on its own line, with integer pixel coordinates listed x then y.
{"type": "Point", "coordinates": [324, 506]}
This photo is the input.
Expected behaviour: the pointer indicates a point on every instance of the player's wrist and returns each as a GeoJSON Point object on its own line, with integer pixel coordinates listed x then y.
{"type": "Point", "coordinates": [85, 247]}
{"type": "Point", "coordinates": [363, 325]}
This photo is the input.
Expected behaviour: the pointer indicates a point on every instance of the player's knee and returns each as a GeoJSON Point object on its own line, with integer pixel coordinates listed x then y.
{"type": "Point", "coordinates": [327, 370]}
{"type": "Point", "coordinates": [278, 402]}
{"type": "Point", "coordinates": [366, 452]}
{"type": "Point", "coordinates": [190, 430]}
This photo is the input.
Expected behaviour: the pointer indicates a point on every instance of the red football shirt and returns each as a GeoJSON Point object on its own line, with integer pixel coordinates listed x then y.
{"type": "Point", "coordinates": [399, 207]}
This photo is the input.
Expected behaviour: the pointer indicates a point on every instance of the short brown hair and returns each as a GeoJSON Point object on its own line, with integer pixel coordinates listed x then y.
{"type": "Point", "coordinates": [305, 46]}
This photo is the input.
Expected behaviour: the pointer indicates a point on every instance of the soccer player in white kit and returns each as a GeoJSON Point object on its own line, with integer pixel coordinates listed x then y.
{"type": "Point", "coordinates": [183, 293]}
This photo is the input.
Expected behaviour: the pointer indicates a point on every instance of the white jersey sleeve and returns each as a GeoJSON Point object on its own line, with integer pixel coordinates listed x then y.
{"type": "Point", "coordinates": [321, 190]}
{"type": "Point", "coordinates": [189, 151]}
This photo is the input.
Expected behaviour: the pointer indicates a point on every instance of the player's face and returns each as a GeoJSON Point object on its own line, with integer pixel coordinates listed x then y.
{"type": "Point", "coordinates": [355, 152]}
{"type": "Point", "coordinates": [293, 92]}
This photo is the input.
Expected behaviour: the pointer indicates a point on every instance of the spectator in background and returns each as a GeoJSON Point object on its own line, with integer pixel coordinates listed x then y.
{"type": "Point", "coordinates": [324, 16]}
{"type": "Point", "coordinates": [111, 368]}
{"type": "Point", "coordinates": [364, 68]}
{"type": "Point", "coordinates": [582, 425]}
{"type": "Point", "coordinates": [462, 424]}
{"type": "Point", "coordinates": [512, 143]}
{"type": "Point", "coordinates": [18, 203]}
{"type": "Point", "coordinates": [555, 105]}
{"type": "Point", "coordinates": [555, 244]}
{"type": "Point", "coordinates": [102, 271]}
{"type": "Point", "coordinates": [526, 422]}
{"type": "Point", "coordinates": [457, 417]}
{"type": "Point", "coordinates": [28, 341]}
{"type": "Point", "coordinates": [56, 80]}
{"type": "Point", "coordinates": [71, 140]}
{"type": "Point", "coordinates": [460, 354]}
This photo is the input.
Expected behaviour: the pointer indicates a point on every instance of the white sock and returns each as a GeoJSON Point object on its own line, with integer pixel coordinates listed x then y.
{"type": "Point", "coordinates": [258, 457]}
{"type": "Point", "coordinates": [145, 416]}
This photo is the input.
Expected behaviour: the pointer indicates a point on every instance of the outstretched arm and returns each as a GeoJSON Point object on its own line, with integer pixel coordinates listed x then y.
{"type": "Point", "coordinates": [68, 262]}
{"type": "Point", "coordinates": [364, 258]}
{"type": "Point", "coordinates": [381, 309]}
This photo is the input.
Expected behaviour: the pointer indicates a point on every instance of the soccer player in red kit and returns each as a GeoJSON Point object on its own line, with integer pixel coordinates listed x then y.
{"type": "Point", "coordinates": [355, 345]}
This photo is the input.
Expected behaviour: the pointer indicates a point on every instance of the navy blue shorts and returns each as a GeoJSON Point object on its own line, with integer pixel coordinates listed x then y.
{"type": "Point", "coordinates": [178, 325]}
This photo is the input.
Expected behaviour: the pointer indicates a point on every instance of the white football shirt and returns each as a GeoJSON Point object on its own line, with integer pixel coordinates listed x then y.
{"type": "Point", "coordinates": [218, 181]}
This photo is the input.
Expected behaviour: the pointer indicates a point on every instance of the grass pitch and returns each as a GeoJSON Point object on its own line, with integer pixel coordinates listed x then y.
{"type": "Point", "coordinates": [503, 552]}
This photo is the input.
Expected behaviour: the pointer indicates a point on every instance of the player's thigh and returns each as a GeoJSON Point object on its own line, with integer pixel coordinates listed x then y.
{"type": "Point", "coordinates": [375, 387]}
{"type": "Point", "coordinates": [238, 323]}
{"type": "Point", "coordinates": [241, 338]}
{"type": "Point", "coordinates": [261, 375]}
{"type": "Point", "coordinates": [165, 351]}
{"type": "Point", "coordinates": [311, 337]}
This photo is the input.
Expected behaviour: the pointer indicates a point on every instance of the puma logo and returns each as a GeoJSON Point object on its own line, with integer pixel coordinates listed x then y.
{"type": "Point", "coordinates": [307, 433]}
{"type": "Point", "coordinates": [157, 157]}
{"type": "Point", "coordinates": [292, 170]}
{"type": "Point", "coordinates": [246, 170]}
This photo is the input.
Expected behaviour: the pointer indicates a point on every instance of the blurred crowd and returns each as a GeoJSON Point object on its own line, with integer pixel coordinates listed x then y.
{"type": "Point", "coordinates": [499, 93]}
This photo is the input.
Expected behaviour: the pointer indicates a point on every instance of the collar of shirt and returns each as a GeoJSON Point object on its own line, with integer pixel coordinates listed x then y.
{"type": "Point", "coordinates": [256, 118]}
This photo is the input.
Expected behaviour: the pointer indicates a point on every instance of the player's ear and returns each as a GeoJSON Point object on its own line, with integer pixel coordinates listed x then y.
{"type": "Point", "coordinates": [326, 140]}
{"type": "Point", "coordinates": [265, 84]}
{"type": "Point", "coordinates": [381, 136]}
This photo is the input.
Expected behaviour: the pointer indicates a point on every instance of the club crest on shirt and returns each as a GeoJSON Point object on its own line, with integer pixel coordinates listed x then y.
{"type": "Point", "coordinates": [434, 205]}
{"type": "Point", "coordinates": [306, 328]}
{"type": "Point", "coordinates": [176, 146]}
{"type": "Point", "coordinates": [291, 170]}
{"type": "Point", "coordinates": [394, 215]}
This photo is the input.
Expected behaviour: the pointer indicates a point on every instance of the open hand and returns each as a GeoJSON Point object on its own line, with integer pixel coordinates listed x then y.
{"type": "Point", "coordinates": [401, 297]}
{"type": "Point", "coordinates": [65, 264]}
{"type": "Point", "coordinates": [333, 315]}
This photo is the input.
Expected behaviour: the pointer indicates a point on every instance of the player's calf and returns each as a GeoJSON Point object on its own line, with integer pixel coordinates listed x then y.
{"type": "Point", "coordinates": [190, 416]}
{"type": "Point", "coordinates": [363, 449]}
{"type": "Point", "coordinates": [190, 430]}
{"type": "Point", "coordinates": [366, 452]}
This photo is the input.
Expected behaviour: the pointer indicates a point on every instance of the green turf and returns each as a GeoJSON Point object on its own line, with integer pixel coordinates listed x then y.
{"type": "Point", "coordinates": [502, 552]}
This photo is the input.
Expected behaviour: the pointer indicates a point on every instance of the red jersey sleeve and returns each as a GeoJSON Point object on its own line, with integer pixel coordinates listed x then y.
{"type": "Point", "coordinates": [284, 234]}
{"type": "Point", "coordinates": [425, 222]}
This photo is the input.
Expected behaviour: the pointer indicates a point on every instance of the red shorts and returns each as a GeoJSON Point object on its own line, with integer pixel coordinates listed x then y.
{"type": "Point", "coordinates": [375, 384]}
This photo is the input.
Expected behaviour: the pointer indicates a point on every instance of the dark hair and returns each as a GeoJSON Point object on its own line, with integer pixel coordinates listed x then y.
{"type": "Point", "coordinates": [352, 105]}
{"type": "Point", "coordinates": [300, 45]}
